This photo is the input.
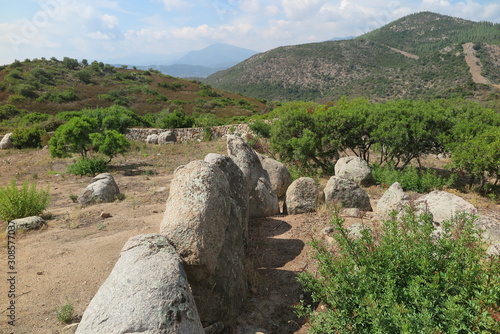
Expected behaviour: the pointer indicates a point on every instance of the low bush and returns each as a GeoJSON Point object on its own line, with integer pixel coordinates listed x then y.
{"type": "Point", "coordinates": [88, 166]}
{"type": "Point", "coordinates": [411, 178]}
{"type": "Point", "coordinates": [65, 314]}
{"type": "Point", "coordinates": [22, 202]}
{"type": "Point", "coordinates": [404, 280]}
{"type": "Point", "coordinates": [30, 137]}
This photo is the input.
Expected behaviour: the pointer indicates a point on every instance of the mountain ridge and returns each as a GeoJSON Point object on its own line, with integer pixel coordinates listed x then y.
{"type": "Point", "coordinates": [417, 56]}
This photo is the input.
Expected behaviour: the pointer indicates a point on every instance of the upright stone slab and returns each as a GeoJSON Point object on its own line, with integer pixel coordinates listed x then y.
{"type": "Point", "coordinates": [263, 201]}
{"type": "Point", "coordinates": [354, 168]}
{"type": "Point", "coordinates": [347, 193]}
{"type": "Point", "coordinates": [146, 292]}
{"type": "Point", "coordinates": [394, 199]}
{"type": "Point", "coordinates": [302, 196]}
{"type": "Point", "coordinates": [278, 175]}
{"type": "Point", "coordinates": [6, 142]}
{"type": "Point", "coordinates": [204, 221]}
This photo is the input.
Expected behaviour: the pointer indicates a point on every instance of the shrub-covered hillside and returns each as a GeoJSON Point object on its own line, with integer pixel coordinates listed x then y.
{"type": "Point", "coordinates": [50, 86]}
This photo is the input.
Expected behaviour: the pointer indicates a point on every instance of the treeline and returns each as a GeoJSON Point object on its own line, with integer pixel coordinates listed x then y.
{"type": "Point", "coordinates": [311, 136]}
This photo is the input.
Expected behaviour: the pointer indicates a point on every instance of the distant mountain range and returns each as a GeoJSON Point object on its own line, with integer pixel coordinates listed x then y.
{"type": "Point", "coordinates": [199, 63]}
{"type": "Point", "coordinates": [423, 55]}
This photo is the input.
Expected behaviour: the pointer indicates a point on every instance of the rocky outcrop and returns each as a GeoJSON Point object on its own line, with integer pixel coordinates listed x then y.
{"type": "Point", "coordinates": [302, 196]}
{"type": "Point", "coordinates": [355, 169]}
{"type": "Point", "coordinates": [263, 201]}
{"type": "Point", "coordinates": [103, 189]}
{"type": "Point", "coordinates": [166, 137]}
{"type": "Point", "coordinates": [203, 221]}
{"type": "Point", "coordinates": [394, 199]}
{"type": "Point", "coordinates": [6, 142]}
{"type": "Point", "coordinates": [146, 292]}
{"type": "Point", "coordinates": [279, 176]}
{"type": "Point", "coordinates": [346, 193]}
{"type": "Point", "coordinates": [443, 205]}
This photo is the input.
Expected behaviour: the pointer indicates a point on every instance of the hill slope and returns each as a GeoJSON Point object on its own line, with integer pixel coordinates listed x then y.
{"type": "Point", "coordinates": [51, 86]}
{"type": "Point", "coordinates": [418, 56]}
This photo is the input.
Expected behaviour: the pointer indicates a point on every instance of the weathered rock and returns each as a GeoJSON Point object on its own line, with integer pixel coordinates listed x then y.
{"type": "Point", "coordinates": [347, 193]}
{"type": "Point", "coordinates": [197, 214]}
{"type": "Point", "coordinates": [351, 212]}
{"type": "Point", "coordinates": [278, 175]}
{"type": "Point", "coordinates": [152, 139]}
{"type": "Point", "coordinates": [204, 222]}
{"type": "Point", "coordinates": [494, 250]}
{"type": "Point", "coordinates": [103, 189]}
{"type": "Point", "coordinates": [394, 199]}
{"type": "Point", "coordinates": [263, 201]}
{"type": "Point", "coordinates": [216, 328]}
{"type": "Point", "coordinates": [28, 223]}
{"type": "Point", "coordinates": [443, 205]}
{"type": "Point", "coordinates": [356, 229]}
{"type": "Point", "coordinates": [167, 137]}
{"type": "Point", "coordinates": [70, 329]}
{"type": "Point", "coordinates": [301, 196]}
{"type": "Point", "coordinates": [146, 292]}
{"type": "Point", "coordinates": [238, 186]}
{"type": "Point", "coordinates": [354, 168]}
{"type": "Point", "coordinates": [490, 228]}
{"type": "Point", "coordinates": [6, 142]}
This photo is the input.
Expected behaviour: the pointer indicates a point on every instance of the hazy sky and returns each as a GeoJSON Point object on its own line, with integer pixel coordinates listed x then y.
{"type": "Point", "coordinates": [105, 29]}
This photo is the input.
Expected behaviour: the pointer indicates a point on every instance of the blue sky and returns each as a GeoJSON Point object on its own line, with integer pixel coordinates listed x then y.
{"type": "Point", "coordinates": [110, 29]}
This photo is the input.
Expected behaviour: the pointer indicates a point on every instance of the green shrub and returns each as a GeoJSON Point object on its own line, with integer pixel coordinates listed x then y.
{"type": "Point", "coordinates": [88, 166]}
{"type": "Point", "coordinates": [411, 178]}
{"type": "Point", "coordinates": [261, 128]}
{"type": "Point", "coordinates": [27, 137]}
{"type": "Point", "coordinates": [65, 314]}
{"type": "Point", "coordinates": [22, 202]}
{"type": "Point", "coordinates": [404, 280]}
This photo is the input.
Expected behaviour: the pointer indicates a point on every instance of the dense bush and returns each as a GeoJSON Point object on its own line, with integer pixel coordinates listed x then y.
{"type": "Point", "coordinates": [8, 111]}
{"type": "Point", "coordinates": [411, 178]}
{"type": "Point", "coordinates": [29, 137]}
{"type": "Point", "coordinates": [88, 166]}
{"type": "Point", "coordinates": [404, 280]}
{"type": "Point", "coordinates": [22, 202]}
{"type": "Point", "coordinates": [172, 120]}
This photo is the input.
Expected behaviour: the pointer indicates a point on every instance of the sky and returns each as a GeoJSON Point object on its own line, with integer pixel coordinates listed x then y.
{"type": "Point", "coordinates": [161, 29]}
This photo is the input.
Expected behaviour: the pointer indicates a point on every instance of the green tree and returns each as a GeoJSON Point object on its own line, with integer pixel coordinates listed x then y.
{"type": "Point", "coordinates": [480, 156]}
{"type": "Point", "coordinates": [73, 137]}
{"type": "Point", "coordinates": [110, 143]}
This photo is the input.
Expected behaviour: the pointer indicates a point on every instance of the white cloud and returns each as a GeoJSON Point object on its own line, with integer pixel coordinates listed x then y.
{"type": "Point", "coordinates": [171, 5]}
{"type": "Point", "coordinates": [302, 9]}
{"type": "Point", "coordinates": [99, 36]}
{"type": "Point", "coordinates": [109, 21]}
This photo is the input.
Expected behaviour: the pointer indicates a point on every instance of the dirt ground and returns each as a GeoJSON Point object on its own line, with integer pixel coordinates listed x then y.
{"type": "Point", "coordinates": [66, 262]}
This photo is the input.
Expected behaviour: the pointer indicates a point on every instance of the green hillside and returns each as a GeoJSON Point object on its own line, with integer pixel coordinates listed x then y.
{"type": "Point", "coordinates": [51, 86]}
{"type": "Point", "coordinates": [374, 65]}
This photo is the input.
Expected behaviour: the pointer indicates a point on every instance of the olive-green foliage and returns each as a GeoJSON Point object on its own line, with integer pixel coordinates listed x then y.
{"type": "Point", "coordinates": [480, 156]}
{"type": "Point", "coordinates": [61, 97]}
{"type": "Point", "coordinates": [65, 314]}
{"type": "Point", "coordinates": [88, 166]}
{"type": "Point", "coordinates": [34, 118]}
{"type": "Point", "coordinates": [297, 138]}
{"type": "Point", "coordinates": [110, 143]}
{"type": "Point", "coordinates": [9, 111]}
{"type": "Point", "coordinates": [404, 280]}
{"type": "Point", "coordinates": [73, 137]}
{"type": "Point", "coordinates": [411, 178]}
{"type": "Point", "coordinates": [27, 137]}
{"type": "Point", "coordinates": [22, 202]}
{"type": "Point", "coordinates": [261, 128]}
{"type": "Point", "coordinates": [172, 120]}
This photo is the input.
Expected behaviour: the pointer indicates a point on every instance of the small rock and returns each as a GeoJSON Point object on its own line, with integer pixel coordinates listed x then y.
{"type": "Point", "coordinates": [216, 328]}
{"type": "Point", "coordinates": [70, 329]}
{"type": "Point", "coordinates": [6, 142]}
{"type": "Point", "coordinates": [351, 212]}
{"type": "Point", "coordinates": [494, 250]}
{"type": "Point", "coordinates": [105, 215]}
{"type": "Point", "coordinates": [28, 223]}
{"type": "Point", "coordinates": [355, 230]}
